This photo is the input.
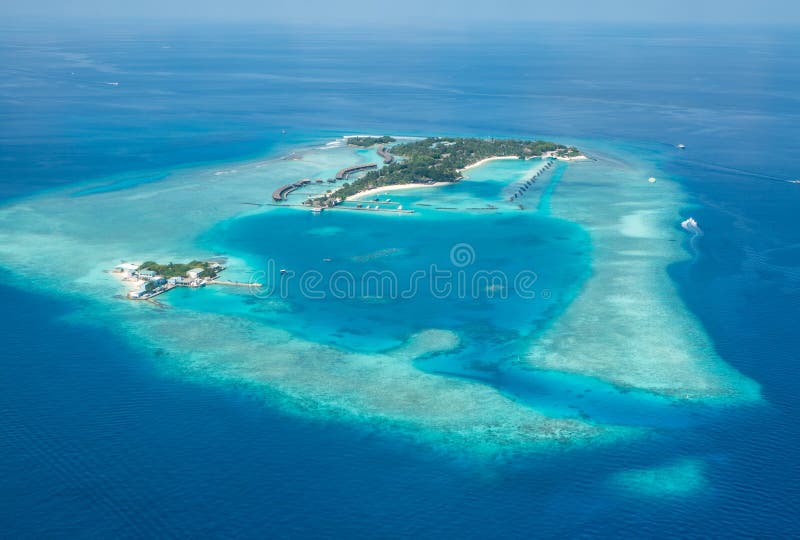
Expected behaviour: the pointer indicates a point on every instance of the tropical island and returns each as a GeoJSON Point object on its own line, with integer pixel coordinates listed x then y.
{"type": "Point", "coordinates": [438, 160]}
{"type": "Point", "coordinates": [151, 278]}
{"type": "Point", "coordinates": [366, 142]}
{"type": "Point", "coordinates": [202, 269]}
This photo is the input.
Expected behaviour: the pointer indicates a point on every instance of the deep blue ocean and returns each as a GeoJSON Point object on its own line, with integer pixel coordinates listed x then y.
{"type": "Point", "coordinates": [96, 442]}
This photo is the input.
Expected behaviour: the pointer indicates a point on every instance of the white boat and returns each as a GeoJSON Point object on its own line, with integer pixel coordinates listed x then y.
{"type": "Point", "coordinates": [690, 225]}
{"type": "Point", "coordinates": [681, 146]}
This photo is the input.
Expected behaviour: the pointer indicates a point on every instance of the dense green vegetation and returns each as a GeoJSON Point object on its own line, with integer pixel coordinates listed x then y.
{"type": "Point", "coordinates": [440, 159]}
{"type": "Point", "coordinates": [180, 269]}
{"type": "Point", "coordinates": [369, 141]}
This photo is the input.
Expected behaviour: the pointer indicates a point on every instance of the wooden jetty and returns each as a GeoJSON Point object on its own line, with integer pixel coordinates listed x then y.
{"type": "Point", "coordinates": [372, 201]}
{"type": "Point", "coordinates": [347, 171]}
{"type": "Point", "coordinates": [280, 194]}
{"type": "Point", "coordinates": [366, 209]}
{"type": "Point", "coordinates": [234, 283]}
{"type": "Point", "coordinates": [529, 182]}
{"type": "Point", "coordinates": [385, 154]}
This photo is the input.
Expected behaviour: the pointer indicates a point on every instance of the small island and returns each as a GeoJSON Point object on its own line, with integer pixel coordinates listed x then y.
{"type": "Point", "coordinates": [366, 141]}
{"type": "Point", "coordinates": [436, 160]}
{"type": "Point", "coordinates": [151, 278]}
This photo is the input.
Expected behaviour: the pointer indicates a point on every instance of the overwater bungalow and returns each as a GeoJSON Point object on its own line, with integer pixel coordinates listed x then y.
{"type": "Point", "coordinates": [347, 171]}
{"type": "Point", "coordinates": [280, 194]}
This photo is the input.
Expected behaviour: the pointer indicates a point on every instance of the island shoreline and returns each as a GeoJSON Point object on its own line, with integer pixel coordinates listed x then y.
{"type": "Point", "coordinates": [485, 160]}
{"type": "Point", "coordinates": [395, 187]}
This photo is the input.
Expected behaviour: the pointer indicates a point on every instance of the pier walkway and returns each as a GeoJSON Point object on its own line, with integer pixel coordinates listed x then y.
{"type": "Point", "coordinates": [529, 182]}
{"type": "Point", "coordinates": [234, 283]}
{"type": "Point", "coordinates": [367, 209]}
{"type": "Point", "coordinates": [385, 154]}
{"type": "Point", "coordinates": [281, 193]}
{"type": "Point", "coordinates": [347, 171]}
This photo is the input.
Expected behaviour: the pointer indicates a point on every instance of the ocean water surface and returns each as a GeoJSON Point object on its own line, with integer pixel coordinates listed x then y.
{"type": "Point", "coordinates": [647, 388]}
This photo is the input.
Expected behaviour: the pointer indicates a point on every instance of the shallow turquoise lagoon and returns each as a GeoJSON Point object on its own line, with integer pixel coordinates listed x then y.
{"type": "Point", "coordinates": [365, 282]}
{"type": "Point", "coordinates": [381, 278]}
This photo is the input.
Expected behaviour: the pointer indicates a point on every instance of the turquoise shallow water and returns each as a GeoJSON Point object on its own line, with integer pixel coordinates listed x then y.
{"type": "Point", "coordinates": [342, 251]}
{"type": "Point", "coordinates": [419, 281]}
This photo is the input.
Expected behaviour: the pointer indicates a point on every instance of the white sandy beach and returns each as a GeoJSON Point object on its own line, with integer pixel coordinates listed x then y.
{"type": "Point", "coordinates": [396, 187]}
{"type": "Point", "coordinates": [579, 157]}
{"type": "Point", "coordinates": [486, 160]}
{"type": "Point", "coordinates": [545, 155]}
{"type": "Point", "coordinates": [130, 283]}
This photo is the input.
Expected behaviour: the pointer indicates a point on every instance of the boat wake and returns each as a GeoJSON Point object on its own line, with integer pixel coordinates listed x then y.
{"type": "Point", "coordinates": [690, 225]}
